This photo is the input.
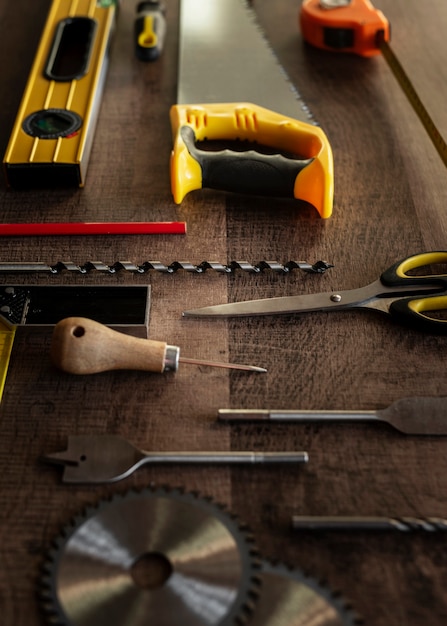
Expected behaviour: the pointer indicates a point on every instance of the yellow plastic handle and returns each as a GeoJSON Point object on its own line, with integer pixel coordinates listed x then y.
{"type": "Point", "coordinates": [307, 175]}
{"type": "Point", "coordinates": [412, 310]}
{"type": "Point", "coordinates": [421, 260]}
{"type": "Point", "coordinates": [147, 38]}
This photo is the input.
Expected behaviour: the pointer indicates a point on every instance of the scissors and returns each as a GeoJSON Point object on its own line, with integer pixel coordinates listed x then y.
{"type": "Point", "coordinates": [407, 298]}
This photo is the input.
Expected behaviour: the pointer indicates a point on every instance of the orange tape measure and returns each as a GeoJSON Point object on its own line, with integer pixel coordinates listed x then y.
{"type": "Point", "coordinates": [356, 27]}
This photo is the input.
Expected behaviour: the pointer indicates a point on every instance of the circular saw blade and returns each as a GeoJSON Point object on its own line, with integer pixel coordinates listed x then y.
{"type": "Point", "coordinates": [290, 598]}
{"type": "Point", "coordinates": [155, 557]}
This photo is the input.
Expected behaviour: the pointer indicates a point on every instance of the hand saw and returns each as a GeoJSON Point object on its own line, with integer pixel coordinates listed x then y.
{"type": "Point", "coordinates": [231, 89]}
{"type": "Point", "coordinates": [356, 27]}
{"type": "Point", "coordinates": [125, 307]}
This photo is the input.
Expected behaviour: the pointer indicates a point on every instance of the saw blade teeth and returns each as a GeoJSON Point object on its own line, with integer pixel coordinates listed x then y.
{"type": "Point", "coordinates": [251, 600]}
{"type": "Point", "coordinates": [299, 99]}
{"type": "Point", "coordinates": [201, 542]}
{"type": "Point", "coordinates": [53, 552]}
{"type": "Point", "coordinates": [244, 617]}
{"type": "Point", "coordinates": [45, 592]}
{"type": "Point", "coordinates": [281, 578]}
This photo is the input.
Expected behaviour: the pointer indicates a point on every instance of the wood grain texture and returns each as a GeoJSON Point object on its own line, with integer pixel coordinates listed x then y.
{"type": "Point", "coordinates": [390, 199]}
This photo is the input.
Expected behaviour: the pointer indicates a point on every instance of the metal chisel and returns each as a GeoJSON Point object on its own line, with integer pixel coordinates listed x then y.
{"type": "Point", "coordinates": [231, 89]}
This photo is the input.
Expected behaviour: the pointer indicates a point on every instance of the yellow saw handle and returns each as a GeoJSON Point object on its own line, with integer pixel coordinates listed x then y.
{"type": "Point", "coordinates": [305, 175]}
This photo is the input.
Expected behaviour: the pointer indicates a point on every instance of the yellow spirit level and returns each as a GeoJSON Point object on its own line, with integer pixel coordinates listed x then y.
{"type": "Point", "coordinates": [7, 334]}
{"type": "Point", "coordinates": [53, 133]}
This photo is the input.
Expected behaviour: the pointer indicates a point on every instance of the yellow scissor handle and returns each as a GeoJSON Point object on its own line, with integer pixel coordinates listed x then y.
{"type": "Point", "coordinates": [400, 270]}
{"type": "Point", "coordinates": [412, 310]}
{"type": "Point", "coordinates": [307, 177]}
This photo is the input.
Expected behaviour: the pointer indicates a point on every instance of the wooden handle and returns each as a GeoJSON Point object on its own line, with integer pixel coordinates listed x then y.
{"type": "Point", "coordinates": [82, 346]}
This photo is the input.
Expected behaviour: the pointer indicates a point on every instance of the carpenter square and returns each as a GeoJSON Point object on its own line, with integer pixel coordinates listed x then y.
{"type": "Point", "coordinates": [123, 307]}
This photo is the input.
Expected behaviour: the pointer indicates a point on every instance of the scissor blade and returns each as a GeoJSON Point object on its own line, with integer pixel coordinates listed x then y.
{"type": "Point", "coordinates": [330, 300]}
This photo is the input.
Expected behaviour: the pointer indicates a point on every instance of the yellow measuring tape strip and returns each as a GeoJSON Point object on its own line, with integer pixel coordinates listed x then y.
{"type": "Point", "coordinates": [417, 104]}
{"type": "Point", "coordinates": [7, 334]}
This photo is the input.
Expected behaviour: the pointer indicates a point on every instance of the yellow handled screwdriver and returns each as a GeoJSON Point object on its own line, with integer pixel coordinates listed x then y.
{"type": "Point", "coordinates": [83, 346]}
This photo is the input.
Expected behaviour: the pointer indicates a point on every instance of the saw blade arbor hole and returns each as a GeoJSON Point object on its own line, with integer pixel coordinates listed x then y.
{"type": "Point", "coordinates": [151, 570]}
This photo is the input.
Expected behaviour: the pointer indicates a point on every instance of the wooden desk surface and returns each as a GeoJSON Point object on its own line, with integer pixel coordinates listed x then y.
{"type": "Point", "coordinates": [390, 201]}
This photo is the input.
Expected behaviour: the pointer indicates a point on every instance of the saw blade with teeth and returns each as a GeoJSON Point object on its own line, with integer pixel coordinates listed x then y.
{"type": "Point", "coordinates": [288, 597]}
{"type": "Point", "coordinates": [156, 556]}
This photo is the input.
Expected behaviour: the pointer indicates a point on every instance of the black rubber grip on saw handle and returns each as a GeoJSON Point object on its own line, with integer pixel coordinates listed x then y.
{"type": "Point", "coordinates": [247, 171]}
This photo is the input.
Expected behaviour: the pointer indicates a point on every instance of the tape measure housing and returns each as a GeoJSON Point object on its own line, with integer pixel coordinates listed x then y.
{"type": "Point", "coordinates": [51, 140]}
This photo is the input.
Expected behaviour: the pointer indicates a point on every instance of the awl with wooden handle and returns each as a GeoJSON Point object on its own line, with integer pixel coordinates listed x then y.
{"type": "Point", "coordinates": [82, 346]}
{"type": "Point", "coordinates": [411, 416]}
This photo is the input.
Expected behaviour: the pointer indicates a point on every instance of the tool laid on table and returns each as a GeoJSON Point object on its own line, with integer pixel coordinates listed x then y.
{"type": "Point", "coordinates": [82, 346]}
{"type": "Point", "coordinates": [93, 228]}
{"type": "Point", "coordinates": [289, 597]}
{"type": "Point", "coordinates": [231, 89]}
{"type": "Point", "coordinates": [200, 567]}
{"type": "Point", "coordinates": [411, 416]}
{"type": "Point", "coordinates": [124, 307]}
{"type": "Point", "coordinates": [7, 334]}
{"type": "Point", "coordinates": [406, 298]}
{"type": "Point", "coordinates": [355, 26]}
{"type": "Point", "coordinates": [109, 458]}
{"type": "Point", "coordinates": [121, 306]}
{"type": "Point", "coordinates": [52, 136]}
{"type": "Point", "coordinates": [98, 266]}
{"type": "Point", "coordinates": [356, 522]}
{"type": "Point", "coordinates": [150, 29]}
{"type": "Point", "coordinates": [157, 556]}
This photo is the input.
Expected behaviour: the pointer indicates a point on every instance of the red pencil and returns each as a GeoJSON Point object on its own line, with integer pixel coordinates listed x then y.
{"type": "Point", "coordinates": [95, 228]}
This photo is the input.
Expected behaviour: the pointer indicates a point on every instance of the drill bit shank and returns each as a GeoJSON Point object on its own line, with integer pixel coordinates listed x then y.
{"type": "Point", "coordinates": [349, 523]}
